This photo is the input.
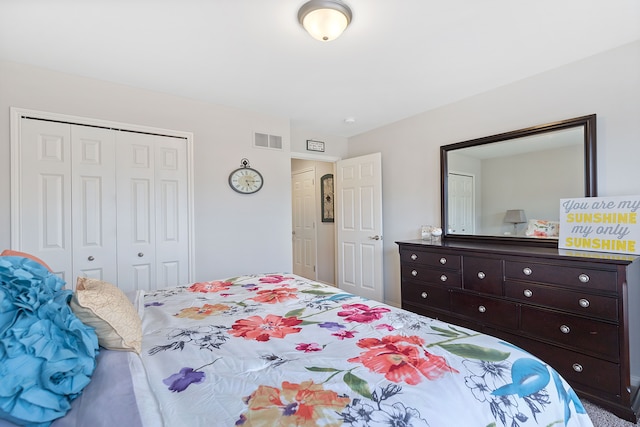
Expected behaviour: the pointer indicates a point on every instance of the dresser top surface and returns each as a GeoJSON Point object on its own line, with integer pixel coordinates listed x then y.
{"type": "Point", "coordinates": [522, 250]}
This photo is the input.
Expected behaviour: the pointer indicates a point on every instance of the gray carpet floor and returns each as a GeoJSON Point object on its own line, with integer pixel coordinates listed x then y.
{"type": "Point", "coordinates": [602, 418]}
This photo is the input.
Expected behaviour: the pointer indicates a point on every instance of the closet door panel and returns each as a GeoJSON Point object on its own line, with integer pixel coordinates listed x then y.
{"type": "Point", "coordinates": [94, 205]}
{"type": "Point", "coordinates": [45, 202]}
{"type": "Point", "coordinates": [171, 212]}
{"type": "Point", "coordinates": [97, 202]}
{"type": "Point", "coordinates": [136, 211]}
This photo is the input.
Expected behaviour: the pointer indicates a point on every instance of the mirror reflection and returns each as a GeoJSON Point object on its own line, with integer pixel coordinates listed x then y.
{"type": "Point", "coordinates": [509, 185]}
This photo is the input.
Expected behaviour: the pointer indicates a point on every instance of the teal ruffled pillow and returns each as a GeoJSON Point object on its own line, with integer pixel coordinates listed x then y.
{"type": "Point", "coordinates": [47, 355]}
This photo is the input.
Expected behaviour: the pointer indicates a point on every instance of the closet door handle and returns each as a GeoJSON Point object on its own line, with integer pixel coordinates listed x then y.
{"type": "Point", "coordinates": [91, 258]}
{"type": "Point", "coordinates": [140, 254]}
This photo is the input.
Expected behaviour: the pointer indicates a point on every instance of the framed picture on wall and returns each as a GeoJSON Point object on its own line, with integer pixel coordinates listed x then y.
{"type": "Point", "coordinates": [326, 190]}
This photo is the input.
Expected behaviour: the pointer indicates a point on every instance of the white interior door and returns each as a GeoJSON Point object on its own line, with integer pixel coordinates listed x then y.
{"type": "Point", "coordinates": [152, 211]}
{"type": "Point", "coordinates": [359, 225]}
{"type": "Point", "coordinates": [461, 206]}
{"type": "Point", "coordinates": [171, 210]}
{"type": "Point", "coordinates": [136, 216]}
{"type": "Point", "coordinates": [42, 211]}
{"type": "Point", "coordinates": [97, 202]}
{"type": "Point", "coordinates": [94, 198]}
{"type": "Point", "coordinates": [304, 223]}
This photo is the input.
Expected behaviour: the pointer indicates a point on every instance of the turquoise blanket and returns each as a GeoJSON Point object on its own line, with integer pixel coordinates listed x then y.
{"type": "Point", "coordinates": [47, 355]}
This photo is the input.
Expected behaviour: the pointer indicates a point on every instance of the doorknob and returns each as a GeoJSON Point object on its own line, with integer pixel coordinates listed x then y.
{"type": "Point", "coordinates": [376, 237]}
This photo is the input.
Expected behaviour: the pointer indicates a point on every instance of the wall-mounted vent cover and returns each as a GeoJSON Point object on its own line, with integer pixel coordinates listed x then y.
{"type": "Point", "coordinates": [263, 140]}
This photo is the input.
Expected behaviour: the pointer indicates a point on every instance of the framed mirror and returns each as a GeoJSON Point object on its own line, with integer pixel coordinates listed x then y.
{"type": "Point", "coordinates": [507, 188]}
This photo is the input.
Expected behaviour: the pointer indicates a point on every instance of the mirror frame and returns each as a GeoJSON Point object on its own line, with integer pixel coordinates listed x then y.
{"type": "Point", "coordinates": [590, 175]}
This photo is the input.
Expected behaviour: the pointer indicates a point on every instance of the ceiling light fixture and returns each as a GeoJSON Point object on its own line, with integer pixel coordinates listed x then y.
{"type": "Point", "coordinates": [325, 20]}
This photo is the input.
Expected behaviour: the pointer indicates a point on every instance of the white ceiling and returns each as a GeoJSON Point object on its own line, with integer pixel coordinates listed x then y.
{"type": "Point", "coordinates": [398, 57]}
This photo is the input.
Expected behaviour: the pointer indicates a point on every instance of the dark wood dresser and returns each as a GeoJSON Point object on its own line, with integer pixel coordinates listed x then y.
{"type": "Point", "coordinates": [578, 311]}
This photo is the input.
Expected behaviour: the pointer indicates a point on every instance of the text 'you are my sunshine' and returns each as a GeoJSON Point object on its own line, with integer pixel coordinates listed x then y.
{"type": "Point", "coordinates": [601, 224]}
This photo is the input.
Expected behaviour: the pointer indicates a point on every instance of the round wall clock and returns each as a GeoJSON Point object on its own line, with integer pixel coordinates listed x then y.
{"type": "Point", "coordinates": [245, 179]}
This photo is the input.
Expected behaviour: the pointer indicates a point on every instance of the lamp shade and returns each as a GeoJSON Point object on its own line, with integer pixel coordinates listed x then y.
{"type": "Point", "coordinates": [515, 216]}
{"type": "Point", "coordinates": [324, 20]}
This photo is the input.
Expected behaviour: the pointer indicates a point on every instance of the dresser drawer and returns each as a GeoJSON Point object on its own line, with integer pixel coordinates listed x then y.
{"type": "Point", "coordinates": [425, 295]}
{"type": "Point", "coordinates": [430, 258]}
{"type": "Point", "coordinates": [482, 275]}
{"type": "Point", "coordinates": [573, 301]}
{"type": "Point", "coordinates": [485, 309]}
{"type": "Point", "coordinates": [575, 367]}
{"type": "Point", "coordinates": [582, 334]}
{"type": "Point", "coordinates": [431, 275]}
{"type": "Point", "coordinates": [570, 276]}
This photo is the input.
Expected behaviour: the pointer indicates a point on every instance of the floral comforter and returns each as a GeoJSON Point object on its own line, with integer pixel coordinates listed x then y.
{"type": "Point", "coordinates": [279, 350]}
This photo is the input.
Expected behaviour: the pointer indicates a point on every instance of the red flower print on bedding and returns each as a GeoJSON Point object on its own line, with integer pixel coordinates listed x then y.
{"type": "Point", "coordinates": [259, 329]}
{"type": "Point", "coordinates": [206, 287]}
{"type": "Point", "coordinates": [309, 347]}
{"type": "Point", "coordinates": [273, 296]}
{"type": "Point", "coordinates": [361, 313]}
{"type": "Point", "coordinates": [400, 359]}
{"type": "Point", "coordinates": [276, 278]}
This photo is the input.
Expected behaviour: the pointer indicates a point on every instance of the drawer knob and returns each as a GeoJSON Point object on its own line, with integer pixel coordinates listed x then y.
{"type": "Point", "coordinates": [527, 271]}
{"type": "Point", "coordinates": [414, 273]}
{"type": "Point", "coordinates": [584, 278]}
{"type": "Point", "coordinates": [414, 257]}
{"type": "Point", "coordinates": [424, 295]}
{"type": "Point", "coordinates": [584, 303]}
{"type": "Point", "coordinates": [443, 260]}
{"type": "Point", "coordinates": [565, 329]}
{"type": "Point", "coordinates": [577, 367]}
{"type": "Point", "coordinates": [91, 258]}
{"type": "Point", "coordinates": [528, 293]}
{"type": "Point", "coordinates": [482, 309]}
{"type": "Point", "coordinates": [443, 278]}
{"type": "Point", "coordinates": [481, 275]}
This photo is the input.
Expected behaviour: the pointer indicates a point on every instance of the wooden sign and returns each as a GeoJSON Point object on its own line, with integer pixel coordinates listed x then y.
{"type": "Point", "coordinates": [600, 224]}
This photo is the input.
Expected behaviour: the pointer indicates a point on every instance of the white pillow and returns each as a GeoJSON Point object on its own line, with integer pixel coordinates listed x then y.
{"type": "Point", "coordinates": [107, 309]}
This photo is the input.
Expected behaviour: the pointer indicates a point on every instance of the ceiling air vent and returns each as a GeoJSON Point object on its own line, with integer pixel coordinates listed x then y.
{"type": "Point", "coordinates": [263, 140]}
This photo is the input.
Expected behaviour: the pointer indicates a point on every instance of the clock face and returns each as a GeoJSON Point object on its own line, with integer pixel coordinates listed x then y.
{"type": "Point", "coordinates": [246, 180]}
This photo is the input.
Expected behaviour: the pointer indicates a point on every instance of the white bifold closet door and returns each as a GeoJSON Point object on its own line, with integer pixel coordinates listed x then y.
{"type": "Point", "coordinates": [152, 211]}
{"type": "Point", "coordinates": [104, 203]}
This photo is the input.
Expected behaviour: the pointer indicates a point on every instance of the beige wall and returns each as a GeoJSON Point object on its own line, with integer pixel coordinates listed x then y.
{"type": "Point", "coordinates": [235, 234]}
{"type": "Point", "coordinates": [607, 84]}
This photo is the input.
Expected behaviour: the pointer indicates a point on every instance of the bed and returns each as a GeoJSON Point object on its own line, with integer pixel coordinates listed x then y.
{"type": "Point", "coordinates": [280, 350]}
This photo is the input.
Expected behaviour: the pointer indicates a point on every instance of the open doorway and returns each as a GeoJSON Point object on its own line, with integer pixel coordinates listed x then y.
{"type": "Point", "coordinates": [317, 262]}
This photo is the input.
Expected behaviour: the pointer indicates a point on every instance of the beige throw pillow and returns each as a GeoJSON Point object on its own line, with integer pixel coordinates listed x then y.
{"type": "Point", "coordinates": [106, 308]}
